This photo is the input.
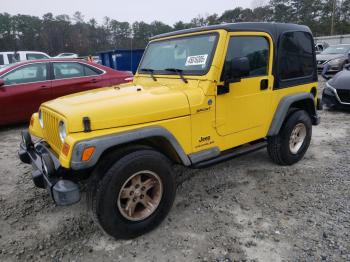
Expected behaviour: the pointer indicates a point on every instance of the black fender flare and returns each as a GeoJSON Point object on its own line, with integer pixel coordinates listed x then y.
{"type": "Point", "coordinates": [283, 109]}
{"type": "Point", "coordinates": [103, 143]}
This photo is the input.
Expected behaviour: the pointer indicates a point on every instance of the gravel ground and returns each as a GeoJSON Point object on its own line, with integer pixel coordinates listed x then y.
{"type": "Point", "coordinates": [246, 209]}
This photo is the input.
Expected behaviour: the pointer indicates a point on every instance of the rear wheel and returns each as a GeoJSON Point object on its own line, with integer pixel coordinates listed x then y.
{"type": "Point", "coordinates": [134, 195]}
{"type": "Point", "coordinates": [293, 140]}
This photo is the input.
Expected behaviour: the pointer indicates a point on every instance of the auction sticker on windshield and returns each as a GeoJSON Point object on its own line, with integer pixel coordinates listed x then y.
{"type": "Point", "coordinates": [196, 60]}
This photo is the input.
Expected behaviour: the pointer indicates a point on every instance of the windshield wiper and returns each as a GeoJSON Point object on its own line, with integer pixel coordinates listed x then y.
{"type": "Point", "coordinates": [179, 72]}
{"type": "Point", "coordinates": [151, 71]}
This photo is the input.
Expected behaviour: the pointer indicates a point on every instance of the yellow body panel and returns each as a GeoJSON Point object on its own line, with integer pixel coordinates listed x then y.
{"type": "Point", "coordinates": [121, 106]}
{"type": "Point", "coordinates": [179, 127]}
{"type": "Point", "coordinates": [246, 106]}
{"type": "Point", "coordinates": [193, 113]}
{"type": "Point", "coordinates": [36, 130]}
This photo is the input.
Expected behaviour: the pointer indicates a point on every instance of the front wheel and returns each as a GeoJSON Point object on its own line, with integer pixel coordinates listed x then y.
{"type": "Point", "coordinates": [134, 195]}
{"type": "Point", "coordinates": [292, 141]}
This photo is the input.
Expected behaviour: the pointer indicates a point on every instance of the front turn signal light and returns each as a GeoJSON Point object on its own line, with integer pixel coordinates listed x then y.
{"type": "Point", "coordinates": [32, 121]}
{"type": "Point", "coordinates": [87, 153]}
{"type": "Point", "coordinates": [65, 149]}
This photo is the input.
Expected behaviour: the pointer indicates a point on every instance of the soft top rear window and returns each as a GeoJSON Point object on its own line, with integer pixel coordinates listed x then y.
{"type": "Point", "coordinates": [295, 56]}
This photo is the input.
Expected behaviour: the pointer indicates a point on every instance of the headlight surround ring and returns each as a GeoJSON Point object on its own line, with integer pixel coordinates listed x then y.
{"type": "Point", "coordinates": [41, 120]}
{"type": "Point", "coordinates": [62, 131]}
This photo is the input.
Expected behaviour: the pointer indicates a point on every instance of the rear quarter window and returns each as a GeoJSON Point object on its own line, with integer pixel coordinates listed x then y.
{"type": "Point", "coordinates": [296, 58]}
{"type": "Point", "coordinates": [91, 71]}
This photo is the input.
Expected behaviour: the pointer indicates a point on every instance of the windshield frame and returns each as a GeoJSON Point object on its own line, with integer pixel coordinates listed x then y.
{"type": "Point", "coordinates": [347, 47]}
{"type": "Point", "coordinates": [185, 72]}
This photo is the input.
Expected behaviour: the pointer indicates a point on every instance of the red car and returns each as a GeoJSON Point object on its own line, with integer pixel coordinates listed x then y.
{"type": "Point", "coordinates": [26, 85]}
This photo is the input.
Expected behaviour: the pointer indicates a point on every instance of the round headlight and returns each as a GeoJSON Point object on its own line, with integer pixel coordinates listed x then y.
{"type": "Point", "coordinates": [41, 120]}
{"type": "Point", "coordinates": [62, 131]}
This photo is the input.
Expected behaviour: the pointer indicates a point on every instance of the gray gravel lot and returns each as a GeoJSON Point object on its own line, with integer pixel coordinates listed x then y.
{"type": "Point", "coordinates": [246, 209]}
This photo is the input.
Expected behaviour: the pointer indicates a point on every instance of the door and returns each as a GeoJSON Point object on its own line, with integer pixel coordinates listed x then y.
{"type": "Point", "coordinates": [245, 106]}
{"type": "Point", "coordinates": [73, 77]}
{"type": "Point", "coordinates": [25, 89]}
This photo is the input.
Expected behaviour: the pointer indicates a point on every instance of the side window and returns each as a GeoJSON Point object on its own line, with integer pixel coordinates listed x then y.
{"type": "Point", "coordinates": [91, 71]}
{"type": "Point", "coordinates": [13, 58]}
{"type": "Point", "coordinates": [295, 55]}
{"type": "Point", "coordinates": [33, 56]}
{"type": "Point", "coordinates": [255, 48]}
{"type": "Point", "coordinates": [26, 74]}
{"type": "Point", "coordinates": [1, 59]}
{"type": "Point", "coordinates": [68, 70]}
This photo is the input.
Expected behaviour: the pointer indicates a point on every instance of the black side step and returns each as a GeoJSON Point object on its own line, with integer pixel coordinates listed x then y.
{"type": "Point", "coordinates": [231, 153]}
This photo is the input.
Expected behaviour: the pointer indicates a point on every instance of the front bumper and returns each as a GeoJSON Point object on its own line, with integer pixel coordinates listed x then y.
{"type": "Point", "coordinates": [47, 171]}
{"type": "Point", "coordinates": [331, 99]}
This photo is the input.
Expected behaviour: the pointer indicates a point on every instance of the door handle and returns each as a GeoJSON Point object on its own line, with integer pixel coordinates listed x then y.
{"type": "Point", "coordinates": [264, 84]}
{"type": "Point", "coordinates": [93, 80]}
{"type": "Point", "coordinates": [43, 87]}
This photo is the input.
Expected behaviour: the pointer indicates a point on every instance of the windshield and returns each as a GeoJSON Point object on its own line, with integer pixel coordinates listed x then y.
{"type": "Point", "coordinates": [190, 54]}
{"type": "Point", "coordinates": [336, 49]}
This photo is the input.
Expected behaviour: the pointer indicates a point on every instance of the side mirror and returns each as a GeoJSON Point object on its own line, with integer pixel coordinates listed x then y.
{"type": "Point", "coordinates": [240, 67]}
{"type": "Point", "coordinates": [234, 70]}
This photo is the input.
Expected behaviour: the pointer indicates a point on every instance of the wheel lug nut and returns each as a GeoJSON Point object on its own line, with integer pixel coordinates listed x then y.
{"type": "Point", "coordinates": [134, 199]}
{"type": "Point", "coordinates": [141, 196]}
{"type": "Point", "coordinates": [131, 193]}
{"type": "Point", "coordinates": [143, 188]}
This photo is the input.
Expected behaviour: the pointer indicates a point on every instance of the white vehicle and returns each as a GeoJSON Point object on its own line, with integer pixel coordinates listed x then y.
{"type": "Point", "coordinates": [67, 55]}
{"type": "Point", "coordinates": [13, 57]}
{"type": "Point", "coordinates": [320, 46]}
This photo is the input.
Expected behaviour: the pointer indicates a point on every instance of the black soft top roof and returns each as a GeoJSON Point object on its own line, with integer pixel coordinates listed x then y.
{"type": "Point", "coordinates": [274, 29]}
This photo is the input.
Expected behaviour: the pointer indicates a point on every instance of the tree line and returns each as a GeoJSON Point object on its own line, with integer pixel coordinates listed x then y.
{"type": "Point", "coordinates": [64, 33]}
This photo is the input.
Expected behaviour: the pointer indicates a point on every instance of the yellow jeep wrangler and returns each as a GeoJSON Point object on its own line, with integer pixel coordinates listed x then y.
{"type": "Point", "coordinates": [200, 96]}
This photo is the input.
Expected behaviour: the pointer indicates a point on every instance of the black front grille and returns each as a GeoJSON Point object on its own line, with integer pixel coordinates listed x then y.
{"type": "Point", "coordinates": [344, 95]}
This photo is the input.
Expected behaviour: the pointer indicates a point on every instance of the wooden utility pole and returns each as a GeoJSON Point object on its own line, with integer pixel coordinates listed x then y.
{"type": "Point", "coordinates": [333, 14]}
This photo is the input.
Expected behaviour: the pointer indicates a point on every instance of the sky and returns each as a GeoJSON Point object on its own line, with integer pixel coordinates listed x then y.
{"type": "Point", "coordinates": [167, 11]}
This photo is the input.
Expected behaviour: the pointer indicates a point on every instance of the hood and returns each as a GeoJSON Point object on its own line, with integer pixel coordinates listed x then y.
{"type": "Point", "coordinates": [120, 106]}
{"type": "Point", "coordinates": [328, 57]}
{"type": "Point", "coordinates": [341, 80]}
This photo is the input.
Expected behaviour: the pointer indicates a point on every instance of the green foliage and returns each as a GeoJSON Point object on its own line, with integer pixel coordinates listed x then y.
{"type": "Point", "coordinates": [62, 33]}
